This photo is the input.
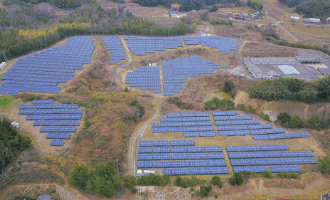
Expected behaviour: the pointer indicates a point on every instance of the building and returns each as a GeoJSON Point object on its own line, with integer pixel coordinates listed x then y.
{"type": "Point", "coordinates": [276, 67]}
{"type": "Point", "coordinates": [328, 20]}
{"type": "Point", "coordinates": [312, 20]}
{"type": "Point", "coordinates": [131, 5]}
{"type": "Point", "coordinates": [177, 15]}
{"type": "Point", "coordinates": [294, 18]}
{"type": "Point", "coordinates": [44, 197]}
{"type": "Point", "coordinates": [2, 65]}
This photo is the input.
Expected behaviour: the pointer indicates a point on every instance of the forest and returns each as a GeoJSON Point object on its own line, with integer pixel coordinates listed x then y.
{"type": "Point", "coordinates": [187, 5]}
{"type": "Point", "coordinates": [293, 89]}
{"type": "Point", "coordinates": [57, 3]}
{"type": "Point", "coordinates": [310, 8]}
{"type": "Point", "coordinates": [11, 143]}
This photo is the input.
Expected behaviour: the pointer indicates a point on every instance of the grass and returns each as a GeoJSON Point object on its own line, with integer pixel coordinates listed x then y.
{"type": "Point", "coordinates": [6, 100]}
{"type": "Point", "coordinates": [222, 94]}
{"type": "Point", "coordinates": [311, 30]}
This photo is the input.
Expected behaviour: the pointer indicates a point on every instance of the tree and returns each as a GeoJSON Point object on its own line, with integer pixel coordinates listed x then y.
{"type": "Point", "coordinates": [237, 179]}
{"type": "Point", "coordinates": [295, 85]}
{"type": "Point", "coordinates": [229, 86]}
{"type": "Point", "coordinates": [267, 174]}
{"type": "Point", "coordinates": [295, 122]}
{"type": "Point", "coordinates": [131, 183]}
{"type": "Point", "coordinates": [284, 118]}
{"type": "Point", "coordinates": [79, 177]}
{"type": "Point", "coordinates": [324, 165]}
{"type": "Point", "coordinates": [216, 180]}
{"type": "Point", "coordinates": [313, 121]}
{"type": "Point", "coordinates": [255, 4]}
{"type": "Point", "coordinates": [204, 190]}
{"type": "Point", "coordinates": [323, 89]}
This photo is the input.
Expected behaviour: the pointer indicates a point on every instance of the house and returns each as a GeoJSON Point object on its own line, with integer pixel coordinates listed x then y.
{"type": "Point", "coordinates": [131, 5]}
{"type": "Point", "coordinates": [328, 20]}
{"type": "Point", "coordinates": [44, 197]}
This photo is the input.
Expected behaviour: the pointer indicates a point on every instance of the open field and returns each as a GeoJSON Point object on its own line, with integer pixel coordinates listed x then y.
{"type": "Point", "coordinates": [311, 29]}
{"type": "Point", "coordinates": [264, 50]}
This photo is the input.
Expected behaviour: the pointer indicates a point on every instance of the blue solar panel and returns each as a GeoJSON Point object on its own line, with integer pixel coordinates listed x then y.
{"type": "Point", "coordinates": [221, 118]}
{"type": "Point", "coordinates": [276, 136]}
{"type": "Point", "coordinates": [255, 154]}
{"type": "Point", "coordinates": [201, 170]}
{"type": "Point", "coordinates": [309, 160]}
{"type": "Point", "coordinates": [275, 161]}
{"type": "Point", "coordinates": [276, 169]}
{"type": "Point", "coordinates": [239, 162]}
{"type": "Point", "coordinates": [207, 134]}
{"type": "Point", "coordinates": [140, 164]}
{"type": "Point", "coordinates": [272, 154]}
{"type": "Point", "coordinates": [167, 171]}
{"type": "Point", "coordinates": [245, 132]}
{"type": "Point", "coordinates": [178, 142]}
{"type": "Point", "coordinates": [183, 163]}
{"type": "Point", "coordinates": [46, 101]}
{"type": "Point", "coordinates": [179, 149]}
{"type": "Point", "coordinates": [222, 123]}
{"type": "Point", "coordinates": [304, 134]}
{"type": "Point", "coordinates": [191, 134]}
{"type": "Point", "coordinates": [197, 156]}
{"type": "Point", "coordinates": [199, 163]}
{"type": "Point", "coordinates": [180, 171]}
{"type": "Point", "coordinates": [281, 147]}
{"type": "Point", "coordinates": [162, 143]}
{"type": "Point", "coordinates": [227, 133]}
{"type": "Point", "coordinates": [196, 149]}
{"type": "Point", "coordinates": [146, 143]}
{"type": "Point", "coordinates": [252, 148]}
{"type": "Point", "coordinates": [261, 137]}
{"type": "Point", "coordinates": [213, 149]}
{"type": "Point", "coordinates": [56, 143]}
{"type": "Point", "coordinates": [258, 162]}
{"type": "Point", "coordinates": [219, 170]}
{"type": "Point", "coordinates": [179, 156]}
{"type": "Point", "coordinates": [235, 148]}
{"type": "Point", "coordinates": [237, 154]}
{"type": "Point", "coordinates": [214, 155]}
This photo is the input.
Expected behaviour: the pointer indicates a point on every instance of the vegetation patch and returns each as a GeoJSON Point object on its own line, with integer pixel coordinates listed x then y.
{"type": "Point", "coordinates": [180, 104]}
{"type": "Point", "coordinates": [5, 100]}
{"type": "Point", "coordinates": [154, 179]}
{"type": "Point", "coordinates": [216, 103]}
{"type": "Point", "coordinates": [186, 182]}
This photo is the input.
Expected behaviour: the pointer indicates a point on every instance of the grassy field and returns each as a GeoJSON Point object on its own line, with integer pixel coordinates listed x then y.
{"type": "Point", "coordinates": [315, 30]}
{"type": "Point", "coordinates": [6, 100]}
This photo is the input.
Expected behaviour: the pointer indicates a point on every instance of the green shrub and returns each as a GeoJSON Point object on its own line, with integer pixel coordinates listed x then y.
{"type": "Point", "coordinates": [220, 21]}
{"type": "Point", "coordinates": [287, 175]}
{"type": "Point", "coordinates": [255, 4]}
{"type": "Point", "coordinates": [204, 190]}
{"type": "Point", "coordinates": [154, 179]}
{"type": "Point", "coordinates": [216, 196]}
{"type": "Point", "coordinates": [216, 103]}
{"type": "Point", "coordinates": [267, 174]}
{"type": "Point", "coordinates": [295, 122]}
{"type": "Point", "coordinates": [180, 104]}
{"type": "Point", "coordinates": [216, 180]}
{"type": "Point", "coordinates": [284, 118]}
{"type": "Point", "coordinates": [213, 9]}
{"type": "Point", "coordinates": [265, 117]}
{"type": "Point", "coordinates": [324, 165]}
{"type": "Point", "coordinates": [186, 182]}
{"type": "Point", "coordinates": [229, 86]}
{"type": "Point", "coordinates": [237, 179]}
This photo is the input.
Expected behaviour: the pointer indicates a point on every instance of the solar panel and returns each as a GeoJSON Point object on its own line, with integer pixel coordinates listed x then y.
{"type": "Point", "coordinates": [235, 148]}
{"type": "Point", "coordinates": [57, 143]}
{"type": "Point", "coordinates": [272, 154]}
{"type": "Point", "coordinates": [198, 163]}
{"type": "Point", "coordinates": [207, 134]}
{"type": "Point", "coordinates": [227, 133]}
{"type": "Point", "coordinates": [275, 161]}
{"type": "Point", "coordinates": [178, 142]}
{"type": "Point", "coordinates": [183, 163]}
{"type": "Point", "coordinates": [179, 149]}
{"type": "Point", "coordinates": [239, 162]}
{"type": "Point", "coordinates": [179, 156]}
{"type": "Point", "coordinates": [196, 149]}
{"type": "Point", "coordinates": [162, 143]}
{"type": "Point", "coordinates": [219, 170]}
{"type": "Point", "coordinates": [281, 147]}
{"type": "Point", "coordinates": [309, 160]}
{"type": "Point", "coordinates": [252, 148]}
{"type": "Point", "coordinates": [191, 134]}
{"type": "Point", "coordinates": [276, 136]}
{"type": "Point", "coordinates": [167, 171]}
{"type": "Point", "coordinates": [214, 155]}
{"type": "Point", "coordinates": [255, 154]}
{"type": "Point", "coordinates": [258, 162]}
{"type": "Point", "coordinates": [293, 161]}
{"type": "Point", "coordinates": [197, 156]}
{"type": "Point", "coordinates": [261, 137]}
{"type": "Point", "coordinates": [180, 171]}
{"type": "Point", "coordinates": [237, 154]}
{"type": "Point", "coordinates": [276, 169]}
{"type": "Point", "coordinates": [201, 170]}
{"type": "Point", "coordinates": [213, 149]}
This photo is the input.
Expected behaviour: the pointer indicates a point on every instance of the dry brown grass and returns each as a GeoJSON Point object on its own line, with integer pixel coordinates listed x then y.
{"type": "Point", "coordinates": [107, 5]}
{"type": "Point", "coordinates": [264, 50]}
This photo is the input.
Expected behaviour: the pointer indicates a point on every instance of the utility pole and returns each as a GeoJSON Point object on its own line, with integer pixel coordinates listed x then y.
{"type": "Point", "coordinates": [46, 43]}
{"type": "Point", "coordinates": [4, 55]}
{"type": "Point", "coordinates": [117, 166]}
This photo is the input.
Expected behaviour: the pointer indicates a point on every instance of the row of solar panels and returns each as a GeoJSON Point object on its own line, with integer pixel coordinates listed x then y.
{"type": "Point", "coordinates": [199, 134]}
{"type": "Point", "coordinates": [181, 163]}
{"type": "Point", "coordinates": [274, 169]}
{"type": "Point", "coordinates": [269, 154]}
{"type": "Point", "coordinates": [279, 147]}
{"type": "Point", "coordinates": [48, 106]}
{"type": "Point", "coordinates": [205, 121]}
{"type": "Point", "coordinates": [56, 123]}
{"type": "Point", "coordinates": [149, 75]}
{"type": "Point", "coordinates": [54, 116]}
{"type": "Point", "coordinates": [273, 161]}
{"type": "Point", "coordinates": [281, 136]}
{"type": "Point", "coordinates": [195, 114]}
{"type": "Point", "coordinates": [57, 142]}
{"type": "Point", "coordinates": [244, 127]}
{"type": "Point", "coordinates": [275, 131]}
{"type": "Point", "coordinates": [183, 129]}
{"type": "Point", "coordinates": [196, 171]}
{"type": "Point", "coordinates": [167, 143]}
{"type": "Point", "coordinates": [115, 47]}
{"type": "Point", "coordinates": [166, 149]}
{"type": "Point", "coordinates": [180, 156]}
{"type": "Point", "coordinates": [58, 135]}
{"type": "Point", "coordinates": [46, 129]}
{"type": "Point", "coordinates": [50, 111]}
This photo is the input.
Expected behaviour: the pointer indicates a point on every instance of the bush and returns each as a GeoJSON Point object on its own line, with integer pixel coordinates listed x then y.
{"type": "Point", "coordinates": [220, 21]}
{"type": "Point", "coordinates": [255, 4]}
{"type": "Point", "coordinates": [216, 103]}
{"type": "Point", "coordinates": [324, 165]}
{"type": "Point", "coordinates": [237, 179]}
{"type": "Point", "coordinates": [229, 86]}
{"type": "Point", "coordinates": [126, 89]}
{"type": "Point", "coordinates": [213, 9]}
{"type": "Point", "coordinates": [267, 174]}
{"type": "Point", "coordinates": [216, 180]}
{"type": "Point", "coordinates": [284, 118]}
{"type": "Point", "coordinates": [154, 179]}
{"type": "Point", "coordinates": [287, 175]}
{"type": "Point", "coordinates": [186, 182]}
{"type": "Point", "coordinates": [131, 183]}
{"type": "Point", "coordinates": [265, 117]}
{"type": "Point", "coordinates": [180, 104]}
{"type": "Point", "coordinates": [216, 196]}
{"type": "Point", "coordinates": [248, 109]}
{"type": "Point", "coordinates": [295, 122]}
{"type": "Point", "coordinates": [204, 190]}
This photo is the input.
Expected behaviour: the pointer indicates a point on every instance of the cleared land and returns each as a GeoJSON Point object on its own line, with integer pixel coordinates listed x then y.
{"type": "Point", "coordinates": [264, 50]}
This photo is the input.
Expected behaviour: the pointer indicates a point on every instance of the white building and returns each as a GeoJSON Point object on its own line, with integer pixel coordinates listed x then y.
{"type": "Point", "coordinates": [328, 20]}
{"type": "Point", "coordinates": [312, 20]}
{"type": "Point", "coordinates": [294, 18]}
{"type": "Point", "coordinates": [2, 65]}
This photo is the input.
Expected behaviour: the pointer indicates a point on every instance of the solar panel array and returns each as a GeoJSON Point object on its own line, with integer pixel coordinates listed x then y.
{"type": "Point", "coordinates": [115, 48]}
{"type": "Point", "coordinates": [58, 120]}
{"type": "Point", "coordinates": [142, 45]}
{"type": "Point", "coordinates": [245, 125]}
{"type": "Point", "coordinates": [196, 124]}
{"type": "Point", "coordinates": [146, 77]}
{"type": "Point", "coordinates": [258, 158]}
{"type": "Point", "coordinates": [179, 157]}
{"type": "Point", "coordinates": [223, 45]}
{"type": "Point", "coordinates": [176, 71]}
{"type": "Point", "coordinates": [42, 72]}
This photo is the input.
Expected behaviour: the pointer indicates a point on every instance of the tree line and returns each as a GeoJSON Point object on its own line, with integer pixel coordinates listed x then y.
{"type": "Point", "coordinates": [187, 5]}
{"type": "Point", "coordinates": [293, 89]}
{"type": "Point", "coordinates": [256, 5]}
{"type": "Point", "coordinates": [11, 143]}
{"type": "Point", "coordinates": [57, 3]}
